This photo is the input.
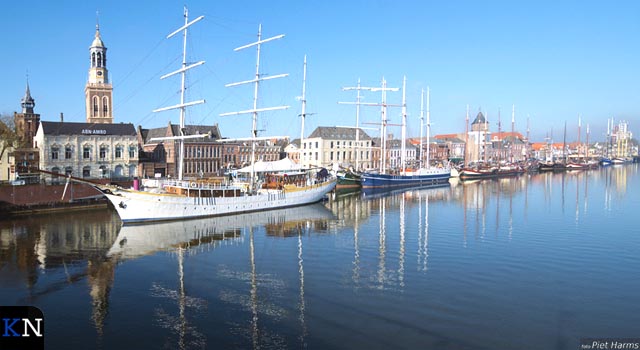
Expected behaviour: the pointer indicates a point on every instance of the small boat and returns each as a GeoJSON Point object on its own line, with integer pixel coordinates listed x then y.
{"type": "Point", "coordinates": [618, 161]}
{"type": "Point", "coordinates": [510, 170]}
{"type": "Point", "coordinates": [576, 166]}
{"type": "Point", "coordinates": [348, 178]}
{"type": "Point", "coordinates": [478, 173]}
{"type": "Point", "coordinates": [605, 161]}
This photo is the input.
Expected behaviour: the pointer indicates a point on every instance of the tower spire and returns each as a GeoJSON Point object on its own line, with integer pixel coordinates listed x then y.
{"type": "Point", "coordinates": [98, 90]}
{"type": "Point", "coordinates": [27, 101]}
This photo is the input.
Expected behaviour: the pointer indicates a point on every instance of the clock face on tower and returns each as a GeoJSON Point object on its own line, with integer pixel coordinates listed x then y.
{"type": "Point", "coordinates": [99, 73]}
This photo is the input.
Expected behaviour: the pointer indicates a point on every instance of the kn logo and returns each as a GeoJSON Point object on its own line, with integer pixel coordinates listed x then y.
{"type": "Point", "coordinates": [21, 327]}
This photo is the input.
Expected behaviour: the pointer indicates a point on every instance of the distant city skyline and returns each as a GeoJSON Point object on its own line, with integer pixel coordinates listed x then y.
{"type": "Point", "coordinates": [553, 61]}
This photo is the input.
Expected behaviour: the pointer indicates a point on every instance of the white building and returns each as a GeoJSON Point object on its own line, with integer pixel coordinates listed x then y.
{"type": "Point", "coordinates": [328, 145]}
{"type": "Point", "coordinates": [5, 166]}
{"type": "Point", "coordinates": [88, 150]}
{"type": "Point", "coordinates": [394, 151]}
{"type": "Point", "coordinates": [292, 151]}
{"type": "Point", "coordinates": [478, 144]}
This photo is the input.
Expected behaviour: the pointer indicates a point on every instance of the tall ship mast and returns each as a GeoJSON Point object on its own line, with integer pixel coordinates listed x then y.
{"type": "Point", "coordinates": [182, 105]}
{"type": "Point", "coordinates": [256, 83]}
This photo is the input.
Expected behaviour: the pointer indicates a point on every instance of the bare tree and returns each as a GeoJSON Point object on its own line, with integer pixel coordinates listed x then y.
{"type": "Point", "coordinates": [8, 136]}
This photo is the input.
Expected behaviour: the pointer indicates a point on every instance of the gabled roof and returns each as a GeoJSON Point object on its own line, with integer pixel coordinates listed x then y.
{"type": "Point", "coordinates": [536, 146]}
{"type": "Point", "coordinates": [67, 128]}
{"type": "Point", "coordinates": [506, 135]}
{"type": "Point", "coordinates": [198, 130]}
{"type": "Point", "coordinates": [151, 133]}
{"type": "Point", "coordinates": [446, 136]}
{"type": "Point", "coordinates": [453, 138]}
{"type": "Point", "coordinates": [174, 130]}
{"type": "Point", "coordinates": [395, 143]}
{"type": "Point", "coordinates": [480, 119]}
{"type": "Point", "coordinates": [335, 133]}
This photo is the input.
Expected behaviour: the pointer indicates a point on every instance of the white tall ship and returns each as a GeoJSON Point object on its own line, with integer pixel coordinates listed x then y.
{"type": "Point", "coordinates": [182, 199]}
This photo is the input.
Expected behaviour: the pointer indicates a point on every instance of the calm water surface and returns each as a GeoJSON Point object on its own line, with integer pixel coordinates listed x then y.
{"type": "Point", "coordinates": [534, 262]}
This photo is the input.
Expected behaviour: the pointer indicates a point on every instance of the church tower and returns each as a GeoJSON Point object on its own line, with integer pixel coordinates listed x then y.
{"type": "Point", "coordinates": [26, 122]}
{"type": "Point", "coordinates": [98, 92]}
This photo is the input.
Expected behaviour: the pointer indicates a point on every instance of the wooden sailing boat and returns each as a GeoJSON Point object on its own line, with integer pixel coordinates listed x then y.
{"type": "Point", "coordinates": [188, 199]}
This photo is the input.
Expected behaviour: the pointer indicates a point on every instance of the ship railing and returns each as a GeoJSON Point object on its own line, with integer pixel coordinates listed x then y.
{"type": "Point", "coordinates": [197, 185]}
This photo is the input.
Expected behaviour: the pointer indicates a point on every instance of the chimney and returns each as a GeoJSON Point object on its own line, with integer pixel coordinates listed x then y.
{"type": "Point", "coordinates": [61, 117]}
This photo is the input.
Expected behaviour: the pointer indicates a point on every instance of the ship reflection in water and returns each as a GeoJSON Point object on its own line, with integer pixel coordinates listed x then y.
{"type": "Point", "coordinates": [524, 262]}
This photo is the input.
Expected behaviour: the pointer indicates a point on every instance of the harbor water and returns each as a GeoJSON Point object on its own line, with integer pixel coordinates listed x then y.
{"type": "Point", "coordinates": [537, 261]}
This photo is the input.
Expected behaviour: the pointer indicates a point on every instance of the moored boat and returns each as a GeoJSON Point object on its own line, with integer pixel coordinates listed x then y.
{"type": "Point", "coordinates": [618, 161]}
{"type": "Point", "coordinates": [190, 199]}
{"type": "Point", "coordinates": [605, 161]}
{"type": "Point", "coordinates": [424, 176]}
{"type": "Point", "coordinates": [420, 177]}
{"type": "Point", "coordinates": [478, 173]}
{"type": "Point", "coordinates": [348, 178]}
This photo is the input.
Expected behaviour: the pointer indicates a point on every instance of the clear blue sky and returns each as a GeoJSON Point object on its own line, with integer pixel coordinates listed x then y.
{"type": "Point", "coordinates": [552, 59]}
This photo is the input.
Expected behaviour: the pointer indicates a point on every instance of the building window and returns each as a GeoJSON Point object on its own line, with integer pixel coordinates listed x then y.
{"type": "Point", "coordinates": [105, 105]}
{"type": "Point", "coordinates": [54, 152]}
{"type": "Point", "coordinates": [316, 144]}
{"type": "Point", "coordinates": [86, 171]}
{"type": "Point", "coordinates": [103, 152]}
{"type": "Point", "coordinates": [331, 144]}
{"type": "Point", "coordinates": [103, 171]}
{"type": "Point", "coordinates": [119, 152]}
{"type": "Point", "coordinates": [86, 152]}
{"type": "Point", "coordinates": [68, 171]}
{"type": "Point", "coordinates": [67, 152]}
{"type": "Point", "coordinates": [95, 105]}
{"type": "Point", "coordinates": [132, 151]}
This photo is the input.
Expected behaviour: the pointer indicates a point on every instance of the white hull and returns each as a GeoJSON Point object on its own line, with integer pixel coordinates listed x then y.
{"type": "Point", "coordinates": [138, 240]}
{"type": "Point", "coordinates": [139, 206]}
